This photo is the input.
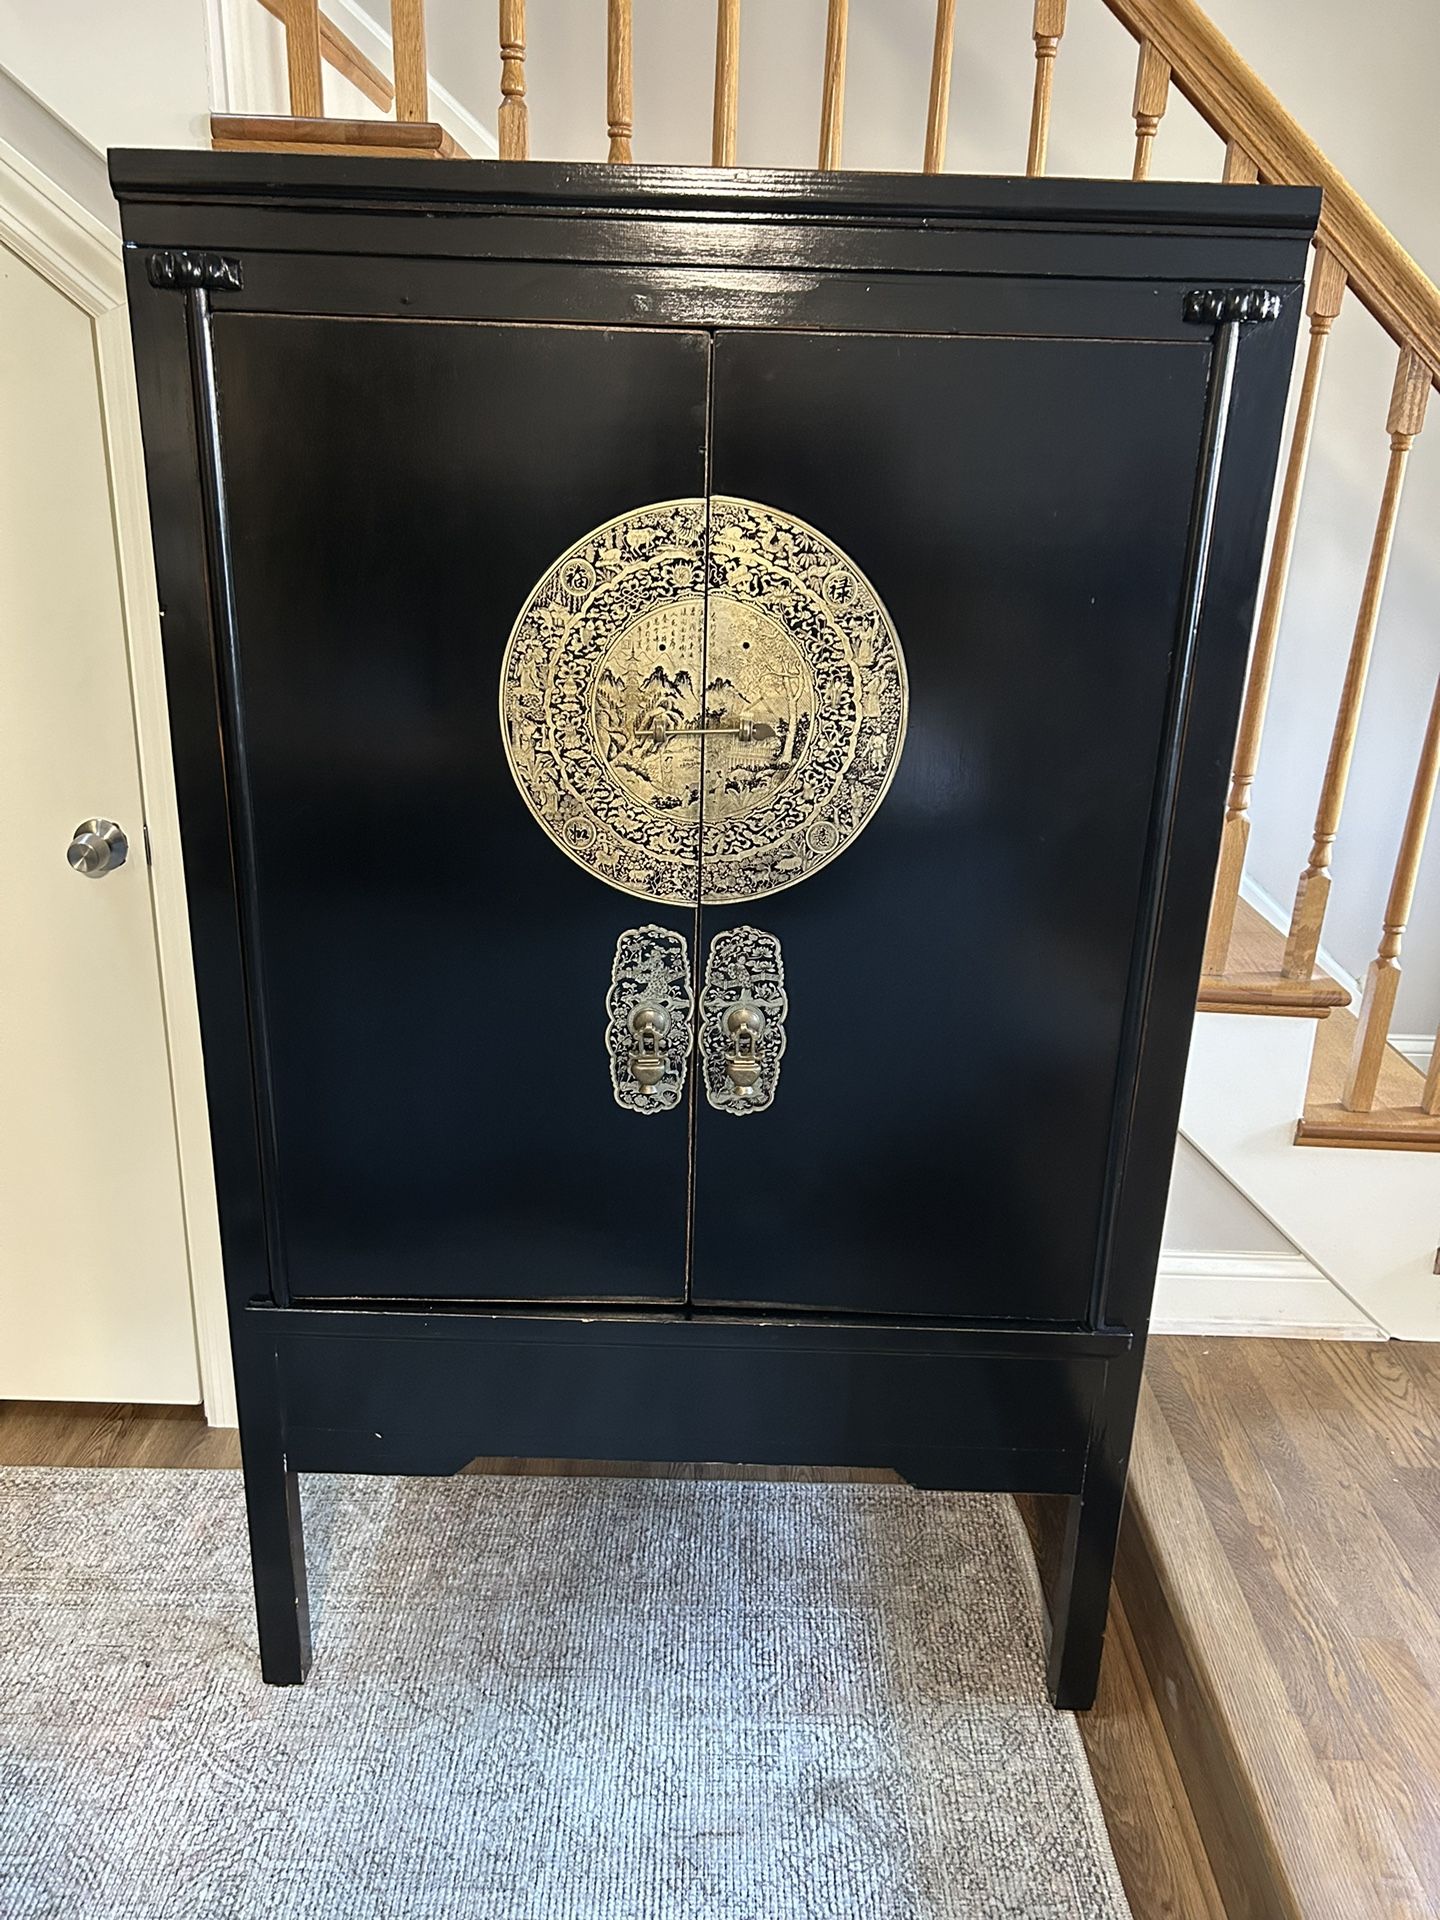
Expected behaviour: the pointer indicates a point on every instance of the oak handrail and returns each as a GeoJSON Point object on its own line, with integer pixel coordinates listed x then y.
{"type": "Point", "coordinates": [1231, 97]}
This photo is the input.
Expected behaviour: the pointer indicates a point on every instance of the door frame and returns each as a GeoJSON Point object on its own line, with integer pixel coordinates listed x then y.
{"type": "Point", "coordinates": [82, 259]}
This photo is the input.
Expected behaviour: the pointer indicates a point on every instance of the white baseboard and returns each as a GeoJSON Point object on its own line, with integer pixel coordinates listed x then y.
{"type": "Point", "coordinates": [1273, 1295]}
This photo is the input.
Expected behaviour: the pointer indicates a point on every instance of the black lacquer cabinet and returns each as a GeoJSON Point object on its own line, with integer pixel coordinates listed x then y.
{"type": "Point", "coordinates": [700, 704]}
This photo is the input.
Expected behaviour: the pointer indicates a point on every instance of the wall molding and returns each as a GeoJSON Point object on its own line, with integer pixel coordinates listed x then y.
{"type": "Point", "coordinates": [1260, 1294]}
{"type": "Point", "coordinates": [82, 258]}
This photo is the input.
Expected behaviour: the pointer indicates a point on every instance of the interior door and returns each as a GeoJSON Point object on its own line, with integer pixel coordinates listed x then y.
{"type": "Point", "coordinates": [94, 1275]}
{"type": "Point", "coordinates": [939, 904]}
{"type": "Point", "coordinates": [459, 932]}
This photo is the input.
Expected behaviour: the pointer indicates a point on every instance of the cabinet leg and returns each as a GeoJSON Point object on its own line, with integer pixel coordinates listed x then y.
{"type": "Point", "coordinates": [1082, 1596]}
{"type": "Point", "coordinates": [1087, 1557]}
{"type": "Point", "coordinates": [277, 1558]}
{"type": "Point", "coordinates": [277, 1537]}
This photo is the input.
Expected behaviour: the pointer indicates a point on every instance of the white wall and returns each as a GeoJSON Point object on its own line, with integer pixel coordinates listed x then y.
{"type": "Point", "coordinates": [133, 75]}
{"type": "Point", "coordinates": [1208, 1215]}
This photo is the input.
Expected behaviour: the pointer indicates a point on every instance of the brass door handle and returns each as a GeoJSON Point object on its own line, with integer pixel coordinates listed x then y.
{"type": "Point", "coordinates": [647, 1062]}
{"type": "Point", "coordinates": [744, 1025]}
{"type": "Point", "coordinates": [743, 1007]}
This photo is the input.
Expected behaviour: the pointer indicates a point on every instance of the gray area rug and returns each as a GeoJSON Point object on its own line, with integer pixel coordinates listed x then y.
{"type": "Point", "coordinates": [535, 1699]}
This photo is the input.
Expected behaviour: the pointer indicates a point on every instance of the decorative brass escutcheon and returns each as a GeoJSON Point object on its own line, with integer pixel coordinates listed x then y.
{"type": "Point", "coordinates": [743, 1005]}
{"type": "Point", "coordinates": [650, 1028]}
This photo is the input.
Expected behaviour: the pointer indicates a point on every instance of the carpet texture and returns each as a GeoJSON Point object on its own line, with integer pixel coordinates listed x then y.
{"type": "Point", "coordinates": [535, 1699]}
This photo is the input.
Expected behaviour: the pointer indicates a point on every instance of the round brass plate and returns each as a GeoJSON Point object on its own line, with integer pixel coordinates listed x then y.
{"type": "Point", "coordinates": [727, 742]}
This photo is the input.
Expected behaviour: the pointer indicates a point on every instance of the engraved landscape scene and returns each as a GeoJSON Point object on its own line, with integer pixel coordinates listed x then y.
{"type": "Point", "coordinates": [670, 675]}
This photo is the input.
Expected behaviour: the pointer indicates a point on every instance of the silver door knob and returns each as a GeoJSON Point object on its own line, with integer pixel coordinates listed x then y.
{"type": "Point", "coordinates": [98, 847]}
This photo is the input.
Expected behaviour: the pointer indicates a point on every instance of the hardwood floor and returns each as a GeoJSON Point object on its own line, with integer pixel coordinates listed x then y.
{"type": "Point", "coordinates": [1282, 1571]}
{"type": "Point", "coordinates": [1267, 1737]}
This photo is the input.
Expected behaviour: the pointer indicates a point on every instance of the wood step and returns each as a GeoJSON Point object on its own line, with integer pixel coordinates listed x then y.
{"type": "Point", "coordinates": [1278, 1571]}
{"type": "Point", "coordinates": [282, 133]}
{"type": "Point", "coordinates": [1396, 1121]}
{"type": "Point", "coordinates": [1253, 983]}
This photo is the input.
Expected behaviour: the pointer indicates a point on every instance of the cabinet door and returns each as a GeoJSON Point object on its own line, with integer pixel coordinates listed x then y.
{"type": "Point", "coordinates": [431, 945]}
{"type": "Point", "coordinates": [955, 944]}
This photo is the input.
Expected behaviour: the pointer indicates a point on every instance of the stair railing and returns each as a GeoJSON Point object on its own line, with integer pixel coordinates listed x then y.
{"type": "Point", "coordinates": [1178, 47]}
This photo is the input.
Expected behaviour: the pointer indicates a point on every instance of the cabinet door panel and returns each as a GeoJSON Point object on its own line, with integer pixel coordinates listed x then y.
{"type": "Point", "coordinates": [434, 967]}
{"type": "Point", "coordinates": [956, 973]}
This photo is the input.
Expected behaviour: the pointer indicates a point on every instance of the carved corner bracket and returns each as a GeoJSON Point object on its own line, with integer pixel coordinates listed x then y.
{"type": "Point", "coordinates": [181, 270]}
{"type": "Point", "coordinates": [1215, 306]}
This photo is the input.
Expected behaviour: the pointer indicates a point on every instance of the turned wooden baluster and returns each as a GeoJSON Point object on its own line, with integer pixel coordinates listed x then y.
{"type": "Point", "coordinates": [832, 88]}
{"type": "Point", "coordinates": [1049, 25]}
{"type": "Point", "coordinates": [302, 59]}
{"type": "Point", "coordinates": [514, 114]}
{"type": "Point", "coordinates": [1382, 981]}
{"type": "Point", "coordinates": [1327, 290]}
{"type": "Point", "coordinates": [1152, 90]}
{"type": "Point", "coordinates": [727, 84]}
{"type": "Point", "coordinates": [412, 73]}
{"type": "Point", "coordinates": [1404, 421]}
{"type": "Point", "coordinates": [619, 97]}
{"type": "Point", "coordinates": [938, 119]}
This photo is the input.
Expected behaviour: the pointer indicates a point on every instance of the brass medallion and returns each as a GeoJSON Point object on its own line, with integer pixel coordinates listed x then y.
{"type": "Point", "coordinates": [703, 709]}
